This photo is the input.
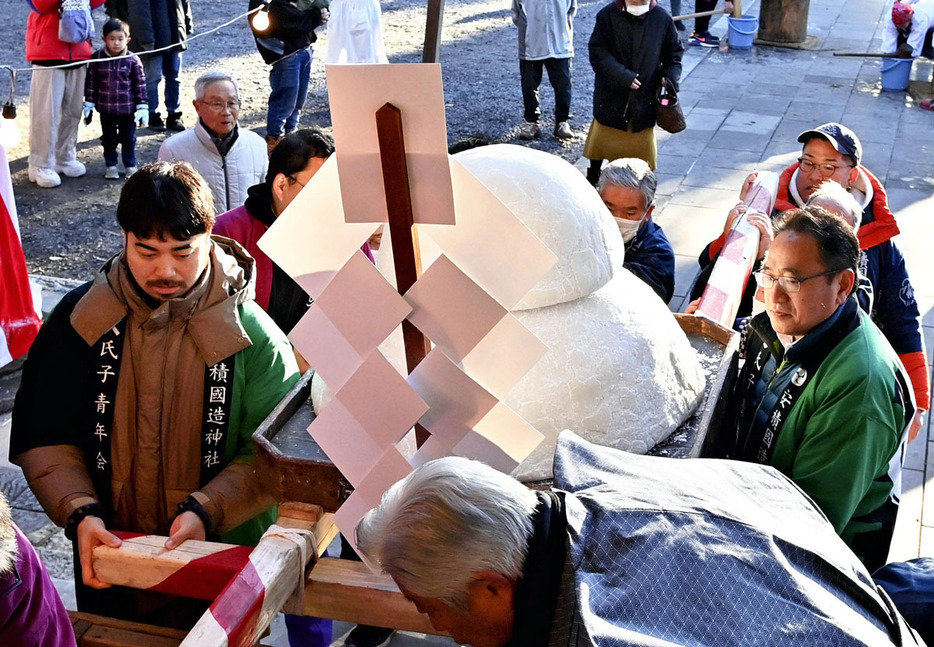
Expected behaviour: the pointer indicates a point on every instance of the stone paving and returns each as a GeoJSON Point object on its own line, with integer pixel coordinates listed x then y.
{"type": "Point", "coordinates": [744, 110]}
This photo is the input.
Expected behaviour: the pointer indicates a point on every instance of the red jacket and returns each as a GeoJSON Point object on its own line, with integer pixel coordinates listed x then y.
{"type": "Point", "coordinates": [42, 43]}
{"type": "Point", "coordinates": [880, 229]}
{"type": "Point", "coordinates": [246, 228]}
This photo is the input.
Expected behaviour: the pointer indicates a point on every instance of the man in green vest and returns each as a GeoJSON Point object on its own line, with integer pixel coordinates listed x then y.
{"type": "Point", "coordinates": [821, 395]}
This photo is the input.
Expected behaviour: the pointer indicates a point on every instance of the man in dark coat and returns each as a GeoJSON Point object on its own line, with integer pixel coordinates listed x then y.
{"type": "Point", "coordinates": [157, 24]}
{"type": "Point", "coordinates": [285, 44]}
{"type": "Point", "coordinates": [633, 46]}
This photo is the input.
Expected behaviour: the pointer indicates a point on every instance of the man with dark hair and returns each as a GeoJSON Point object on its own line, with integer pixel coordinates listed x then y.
{"type": "Point", "coordinates": [833, 152]}
{"type": "Point", "coordinates": [142, 390]}
{"type": "Point", "coordinates": [821, 395]}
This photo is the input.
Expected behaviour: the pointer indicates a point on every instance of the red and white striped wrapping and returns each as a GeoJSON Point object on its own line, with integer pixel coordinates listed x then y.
{"type": "Point", "coordinates": [196, 569]}
{"type": "Point", "coordinates": [19, 323]}
{"type": "Point", "coordinates": [733, 267]}
{"type": "Point", "coordinates": [260, 590]}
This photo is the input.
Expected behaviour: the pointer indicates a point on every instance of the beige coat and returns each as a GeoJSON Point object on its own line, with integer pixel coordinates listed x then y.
{"type": "Point", "coordinates": [157, 420]}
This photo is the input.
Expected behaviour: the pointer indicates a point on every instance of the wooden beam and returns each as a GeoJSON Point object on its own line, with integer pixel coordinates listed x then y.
{"type": "Point", "coordinates": [701, 14]}
{"type": "Point", "coordinates": [243, 611]}
{"type": "Point", "coordinates": [344, 590]}
{"type": "Point", "coordinates": [199, 569]}
{"type": "Point", "coordinates": [406, 256]}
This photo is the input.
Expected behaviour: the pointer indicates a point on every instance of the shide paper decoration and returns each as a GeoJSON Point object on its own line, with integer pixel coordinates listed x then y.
{"type": "Point", "coordinates": [488, 261]}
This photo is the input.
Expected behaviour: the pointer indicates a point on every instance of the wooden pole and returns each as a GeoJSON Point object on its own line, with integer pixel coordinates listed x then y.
{"type": "Point", "coordinates": [737, 8]}
{"type": "Point", "coordinates": [431, 53]}
{"type": "Point", "coordinates": [700, 14]}
{"type": "Point", "coordinates": [721, 298]}
{"type": "Point", "coordinates": [866, 54]}
{"type": "Point", "coordinates": [405, 250]}
{"type": "Point", "coordinates": [344, 590]}
{"type": "Point", "coordinates": [243, 611]}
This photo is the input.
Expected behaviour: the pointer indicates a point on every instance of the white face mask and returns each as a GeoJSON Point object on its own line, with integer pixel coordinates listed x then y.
{"type": "Point", "coordinates": [637, 10]}
{"type": "Point", "coordinates": [628, 228]}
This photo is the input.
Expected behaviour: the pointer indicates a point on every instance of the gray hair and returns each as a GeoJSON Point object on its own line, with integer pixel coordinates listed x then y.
{"type": "Point", "coordinates": [212, 76]}
{"type": "Point", "coordinates": [630, 173]}
{"type": "Point", "coordinates": [8, 546]}
{"type": "Point", "coordinates": [445, 522]}
{"type": "Point", "coordinates": [832, 196]}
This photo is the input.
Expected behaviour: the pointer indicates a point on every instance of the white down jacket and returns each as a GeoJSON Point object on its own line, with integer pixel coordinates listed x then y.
{"type": "Point", "coordinates": [229, 176]}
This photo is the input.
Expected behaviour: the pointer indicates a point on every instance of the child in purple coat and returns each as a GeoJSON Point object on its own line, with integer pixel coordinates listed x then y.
{"type": "Point", "coordinates": [115, 85]}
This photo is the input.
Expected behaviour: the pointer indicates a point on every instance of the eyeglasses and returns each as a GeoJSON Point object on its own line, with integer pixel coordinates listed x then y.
{"type": "Point", "coordinates": [296, 180]}
{"type": "Point", "coordinates": [826, 170]}
{"type": "Point", "coordinates": [217, 106]}
{"type": "Point", "coordinates": [788, 283]}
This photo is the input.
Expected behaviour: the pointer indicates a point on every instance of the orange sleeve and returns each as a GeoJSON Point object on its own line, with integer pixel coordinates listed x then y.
{"type": "Point", "coordinates": [917, 367]}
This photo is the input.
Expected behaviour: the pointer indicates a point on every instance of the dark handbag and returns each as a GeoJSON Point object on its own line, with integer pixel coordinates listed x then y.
{"type": "Point", "coordinates": [668, 113]}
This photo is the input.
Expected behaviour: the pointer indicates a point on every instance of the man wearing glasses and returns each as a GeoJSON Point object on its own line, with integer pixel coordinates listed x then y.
{"type": "Point", "coordinates": [821, 395]}
{"type": "Point", "coordinates": [833, 152]}
{"type": "Point", "coordinates": [231, 159]}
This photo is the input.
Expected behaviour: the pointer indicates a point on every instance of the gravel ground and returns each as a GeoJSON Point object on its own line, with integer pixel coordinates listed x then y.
{"type": "Point", "coordinates": [70, 230]}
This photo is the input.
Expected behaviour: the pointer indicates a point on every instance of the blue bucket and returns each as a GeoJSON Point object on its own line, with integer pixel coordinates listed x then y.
{"type": "Point", "coordinates": [742, 31]}
{"type": "Point", "coordinates": [896, 72]}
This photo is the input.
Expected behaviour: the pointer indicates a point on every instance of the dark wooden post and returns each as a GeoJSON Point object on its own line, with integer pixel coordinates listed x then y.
{"type": "Point", "coordinates": [404, 236]}
{"type": "Point", "coordinates": [783, 21]}
{"type": "Point", "coordinates": [431, 53]}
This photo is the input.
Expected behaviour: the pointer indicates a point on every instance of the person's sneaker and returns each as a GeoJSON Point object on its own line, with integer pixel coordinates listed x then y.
{"type": "Point", "coordinates": [129, 170]}
{"type": "Point", "coordinates": [111, 173]}
{"type": "Point", "coordinates": [174, 122]}
{"type": "Point", "coordinates": [679, 25]}
{"type": "Point", "coordinates": [44, 177]}
{"type": "Point", "coordinates": [74, 168]}
{"type": "Point", "coordinates": [155, 122]}
{"type": "Point", "coordinates": [367, 636]}
{"type": "Point", "coordinates": [704, 40]}
{"type": "Point", "coordinates": [563, 130]}
{"type": "Point", "coordinates": [530, 130]}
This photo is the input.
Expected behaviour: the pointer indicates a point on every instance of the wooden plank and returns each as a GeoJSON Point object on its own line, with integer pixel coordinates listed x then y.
{"type": "Point", "coordinates": [144, 563]}
{"type": "Point", "coordinates": [694, 324]}
{"type": "Point", "coordinates": [92, 629]}
{"type": "Point", "coordinates": [348, 591]}
{"type": "Point", "coordinates": [325, 532]}
{"type": "Point", "coordinates": [79, 626]}
{"type": "Point", "coordinates": [723, 293]}
{"type": "Point", "coordinates": [98, 636]}
{"type": "Point", "coordinates": [700, 14]}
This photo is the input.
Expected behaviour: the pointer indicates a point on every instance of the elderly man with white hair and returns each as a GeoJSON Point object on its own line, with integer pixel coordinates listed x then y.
{"type": "Point", "coordinates": [627, 187]}
{"type": "Point", "coordinates": [626, 550]}
{"type": "Point", "coordinates": [231, 159]}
